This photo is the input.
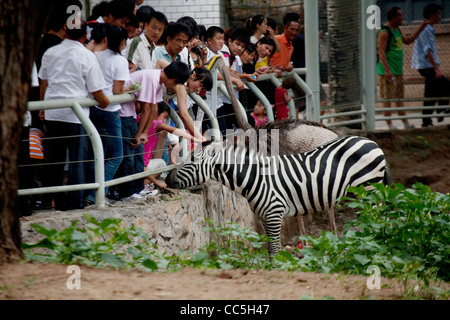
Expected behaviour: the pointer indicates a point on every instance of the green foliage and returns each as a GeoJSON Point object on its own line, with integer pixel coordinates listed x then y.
{"type": "Point", "coordinates": [234, 248]}
{"type": "Point", "coordinates": [101, 243]}
{"type": "Point", "coordinates": [403, 231]}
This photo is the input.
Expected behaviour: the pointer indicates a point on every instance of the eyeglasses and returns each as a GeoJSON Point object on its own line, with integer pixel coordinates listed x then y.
{"type": "Point", "coordinates": [181, 41]}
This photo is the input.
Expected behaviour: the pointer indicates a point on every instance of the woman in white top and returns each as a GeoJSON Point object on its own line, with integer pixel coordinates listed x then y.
{"type": "Point", "coordinates": [109, 43]}
{"type": "Point", "coordinates": [257, 25]}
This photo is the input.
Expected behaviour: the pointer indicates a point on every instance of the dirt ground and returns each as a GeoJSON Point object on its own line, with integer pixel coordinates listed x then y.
{"type": "Point", "coordinates": [416, 155]}
{"type": "Point", "coordinates": [35, 281]}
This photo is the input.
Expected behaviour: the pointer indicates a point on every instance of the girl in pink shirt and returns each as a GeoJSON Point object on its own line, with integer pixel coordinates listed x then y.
{"type": "Point", "coordinates": [158, 125]}
{"type": "Point", "coordinates": [259, 114]}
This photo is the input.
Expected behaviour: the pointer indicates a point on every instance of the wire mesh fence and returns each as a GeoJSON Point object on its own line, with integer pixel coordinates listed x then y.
{"type": "Point", "coordinates": [412, 12]}
{"type": "Point", "coordinates": [340, 47]}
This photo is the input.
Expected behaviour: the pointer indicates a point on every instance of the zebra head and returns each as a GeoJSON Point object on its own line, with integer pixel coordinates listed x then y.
{"type": "Point", "coordinates": [195, 169]}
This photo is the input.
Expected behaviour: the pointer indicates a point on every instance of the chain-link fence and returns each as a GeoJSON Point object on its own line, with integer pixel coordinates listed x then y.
{"type": "Point", "coordinates": [340, 45]}
{"type": "Point", "coordinates": [412, 12]}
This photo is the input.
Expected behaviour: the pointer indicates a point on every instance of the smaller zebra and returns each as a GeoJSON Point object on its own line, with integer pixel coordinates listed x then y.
{"type": "Point", "coordinates": [285, 185]}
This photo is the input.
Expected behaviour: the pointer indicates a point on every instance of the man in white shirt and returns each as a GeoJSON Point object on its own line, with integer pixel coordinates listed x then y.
{"type": "Point", "coordinates": [215, 39]}
{"type": "Point", "coordinates": [69, 71]}
{"type": "Point", "coordinates": [236, 44]}
{"type": "Point", "coordinates": [141, 48]}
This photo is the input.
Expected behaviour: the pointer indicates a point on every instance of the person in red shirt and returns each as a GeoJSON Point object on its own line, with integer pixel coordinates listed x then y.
{"type": "Point", "coordinates": [282, 59]}
{"type": "Point", "coordinates": [282, 97]}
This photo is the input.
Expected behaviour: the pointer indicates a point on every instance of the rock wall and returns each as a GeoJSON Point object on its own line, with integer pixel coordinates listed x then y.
{"type": "Point", "coordinates": [175, 221]}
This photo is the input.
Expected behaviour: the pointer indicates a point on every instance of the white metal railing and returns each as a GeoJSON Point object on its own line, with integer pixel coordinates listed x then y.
{"type": "Point", "coordinates": [273, 77]}
{"type": "Point", "coordinates": [100, 184]}
{"type": "Point", "coordinates": [367, 113]}
{"type": "Point", "coordinates": [310, 99]}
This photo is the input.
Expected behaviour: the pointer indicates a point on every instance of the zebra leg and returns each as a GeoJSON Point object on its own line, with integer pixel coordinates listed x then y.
{"type": "Point", "coordinates": [272, 226]}
{"type": "Point", "coordinates": [301, 228]}
{"type": "Point", "coordinates": [332, 220]}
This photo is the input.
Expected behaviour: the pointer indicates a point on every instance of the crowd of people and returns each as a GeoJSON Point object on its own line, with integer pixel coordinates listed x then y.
{"type": "Point", "coordinates": [121, 43]}
{"type": "Point", "coordinates": [124, 42]}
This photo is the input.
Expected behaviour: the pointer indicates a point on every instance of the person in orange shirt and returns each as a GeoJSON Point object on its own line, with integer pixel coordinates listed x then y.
{"type": "Point", "coordinates": [282, 59]}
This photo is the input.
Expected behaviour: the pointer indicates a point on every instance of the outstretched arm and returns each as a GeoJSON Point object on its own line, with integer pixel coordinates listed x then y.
{"type": "Point", "coordinates": [177, 132]}
{"type": "Point", "coordinates": [148, 113]}
{"type": "Point", "coordinates": [183, 112]}
{"type": "Point", "coordinates": [407, 39]}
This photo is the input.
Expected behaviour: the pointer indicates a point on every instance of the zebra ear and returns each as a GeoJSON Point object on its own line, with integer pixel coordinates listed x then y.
{"type": "Point", "coordinates": [224, 144]}
{"type": "Point", "coordinates": [215, 147]}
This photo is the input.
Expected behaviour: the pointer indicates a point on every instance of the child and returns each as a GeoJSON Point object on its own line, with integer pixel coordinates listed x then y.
{"type": "Point", "coordinates": [135, 134]}
{"type": "Point", "coordinates": [259, 114]}
{"type": "Point", "coordinates": [264, 48]}
{"type": "Point", "coordinates": [236, 42]}
{"type": "Point", "coordinates": [248, 57]}
{"type": "Point", "coordinates": [246, 96]}
{"type": "Point", "coordinates": [158, 125]}
{"type": "Point", "coordinates": [282, 97]}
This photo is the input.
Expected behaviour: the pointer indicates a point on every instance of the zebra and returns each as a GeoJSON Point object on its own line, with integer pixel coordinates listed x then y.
{"type": "Point", "coordinates": [281, 186]}
{"type": "Point", "coordinates": [295, 135]}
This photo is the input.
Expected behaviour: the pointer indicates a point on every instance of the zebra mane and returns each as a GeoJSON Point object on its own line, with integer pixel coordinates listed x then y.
{"type": "Point", "coordinates": [289, 124]}
{"type": "Point", "coordinates": [292, 135]}
{"type": "Point", "coordinates": [275, 138]}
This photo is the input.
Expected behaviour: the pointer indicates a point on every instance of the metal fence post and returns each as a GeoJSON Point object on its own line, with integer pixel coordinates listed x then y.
{"type": "Point", "coordinates": [215, 130]}
{"type": "Point", "coordinates": [312, 58]}
{"type": "Point", "coordinates": [369, 85]}
{"type": "Point", "coordinates": [97, 147]}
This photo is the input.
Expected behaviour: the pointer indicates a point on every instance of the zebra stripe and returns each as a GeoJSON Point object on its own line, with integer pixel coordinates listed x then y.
{"type": "Point", "coordinates": [286, 185]}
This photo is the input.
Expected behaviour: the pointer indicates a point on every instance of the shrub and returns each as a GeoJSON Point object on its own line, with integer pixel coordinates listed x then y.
{"type": "Point", "coordinates": [403, 231]}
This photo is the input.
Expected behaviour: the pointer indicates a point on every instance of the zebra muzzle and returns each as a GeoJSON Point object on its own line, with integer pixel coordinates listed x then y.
{"type": "Point", "coordinates": [171, 179]}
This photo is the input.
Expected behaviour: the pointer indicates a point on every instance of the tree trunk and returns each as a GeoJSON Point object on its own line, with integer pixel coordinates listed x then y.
{"type": "Point", "coordinates": [21, 22]}
{"type": "Point", "coordinates": [344, 68]}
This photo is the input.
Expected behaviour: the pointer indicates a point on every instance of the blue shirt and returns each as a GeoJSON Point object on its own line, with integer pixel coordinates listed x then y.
{"type": "Point", "coordinates": [425, 42]}
{"type": "Point", "coordinates": [298, 56]}
{"type": "Point", "coordinates": [161, 53]}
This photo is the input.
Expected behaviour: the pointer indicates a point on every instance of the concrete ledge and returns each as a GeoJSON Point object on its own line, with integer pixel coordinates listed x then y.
{"type": "Point", "coordinates": [174, 221]}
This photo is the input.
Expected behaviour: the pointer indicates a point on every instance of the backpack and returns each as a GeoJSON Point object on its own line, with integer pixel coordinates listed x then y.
{"type": "Point", "coordinates": [390, 36]}
{"type": "Point", "coordinates": [133, 46]}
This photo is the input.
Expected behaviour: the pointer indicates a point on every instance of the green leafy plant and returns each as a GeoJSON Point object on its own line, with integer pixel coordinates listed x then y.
{"type": "Point", "coordinates": [233, 247]}
{"type": "Point", "coordinates": [101, 243]}
{"type": "Point", "coordinates": [403, 231]}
